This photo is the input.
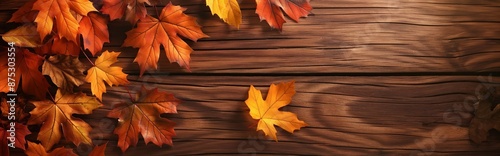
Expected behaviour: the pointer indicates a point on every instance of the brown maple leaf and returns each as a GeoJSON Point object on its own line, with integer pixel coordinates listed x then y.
{"type": "Point", "coordinates": [94, 30]}
{"type": "Point", "coordinates": [133, 10]}
{"type": "Point", "coordinates": [65, 71]}
{"type": "Point", "coordinates": [151, 32]}
{"type": "Point", "coordinates": [26, 69]}
{"type": "Point", "coordinates": [60, 12]}
{"type": "Point", "coordinates": [20, 105]}
{"type": "Point", "coordinates": [56, 115]}
{"type": "Point", "coordinates": [143, 116]}
{"type": "Point", "coordinates": [267, 111]}
{"type": "Point", "coordinates": [104, 72]}
{"type": "Point", "coordinates": [35, 149]}
{"type": "Point", "coordinates": [270, 11]}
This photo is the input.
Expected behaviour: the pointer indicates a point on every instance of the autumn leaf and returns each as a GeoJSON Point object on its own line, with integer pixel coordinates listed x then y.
{"type": "Point", "coordinates": [57, 46]}
{"type": "Point", "coordinates": [56, 115]}
{"type": "Point", "coordinates": [270, 11]}
{"type": "Point", "coordinates": [24, 36]}
{"type": "Point", "coordinates": [94, 30]}
{"type": "Point", "coordinates": [487, 117]}
{"type": "Point", "coordinates": [267, 111]}
{"type": "Point", "coordinates": [60, 12]}
{"type": "Point", "coordinates": [152, 32]}
{"type": "Point", "coordinates": [25, 14]}
{"type": "Point", "coordinates": [26, 69]}
{"type": "Point", "coordinates": [143, 116]}
{"type": "Point", "coordinates": [103, 71]}
{"type": "Point", "coordinates": [35, 149]}
{"type": "Point", "coordinates": [99, 150]}
{"type": "Point", "coordinates": [133, 10]}
{"type": "Point", "coordinates": [227, 10]}
{"type": "Point", "coordinates": [19, 130]}
{"type": "Point", "coordinates": [65, 71]}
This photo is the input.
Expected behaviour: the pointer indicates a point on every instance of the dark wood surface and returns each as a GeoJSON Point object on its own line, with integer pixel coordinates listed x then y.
{"type": "Point", "coordinates": [379, 77]}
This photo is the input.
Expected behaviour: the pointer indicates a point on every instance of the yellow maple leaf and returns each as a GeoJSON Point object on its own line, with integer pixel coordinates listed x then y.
{"type": "Point", "coordinates": [267, 111]}
{"type": "Point", "coordinates": [227, 10]}
{"type": "Point", "coordinates": [103, 71]}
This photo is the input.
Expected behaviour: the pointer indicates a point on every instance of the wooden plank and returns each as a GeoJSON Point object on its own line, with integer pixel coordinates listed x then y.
{"type": "Point", "coordinates": [397, 115]}
{"type": "Point", "coordinates": [343, 36]}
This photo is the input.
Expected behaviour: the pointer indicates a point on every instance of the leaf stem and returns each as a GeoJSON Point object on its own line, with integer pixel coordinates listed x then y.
{"type": "Point", "coordinates": [129, 94]}
{"type": "Point", "coordinates": [83, 51]}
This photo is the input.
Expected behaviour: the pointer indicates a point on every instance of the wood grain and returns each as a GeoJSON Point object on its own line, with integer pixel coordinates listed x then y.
{"type": "Point", "coordinates": [343, 36]}
{"type": "Point", "coordinates": [346, 116]}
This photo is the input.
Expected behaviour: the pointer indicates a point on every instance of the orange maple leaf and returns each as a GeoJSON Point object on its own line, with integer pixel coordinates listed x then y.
{"type": "Point", "coordinates": [56, 115]}
{"type": "Point", "coordinates": [267, 111]}
{"type": "Point", "coordinates": [152, 32]}
{"type": "Point", "coordinates": [35, 149]}
{"type": "Point", "coordinates": [26, 69]}
{"type": "Point", "coordinates": [103, 71]}
{"type": "Point", "coordinates": [143, 116]}
{"type": "Point", "coordinates": [269, 10]}
{"type": "Point", "coordinates": [60, 46]}
{"type": "Point", "coordinates": [60, 11]}
{"type": "Point", "coordinates": [132, 9]}
{"type": "Point", "coordinates": [94, 30]}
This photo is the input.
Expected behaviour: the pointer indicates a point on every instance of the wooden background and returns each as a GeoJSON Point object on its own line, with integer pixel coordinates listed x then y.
{"type": "Point", "coordinates": [375, 77]}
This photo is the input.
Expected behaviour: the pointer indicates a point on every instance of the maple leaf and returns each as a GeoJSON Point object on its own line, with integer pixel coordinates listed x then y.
{"type": "Point", "coordinates": [152, 32]}
{"type": "Point", "coordinates": [35, 149]}
{"type": "Point", "coordinates": [24, 14]}
{"type": "Point", "coordinates": [227, 10]}
{"type": "Point", "coordinates": [20, 131]}
{"type": "Point", "coordinates": [26, 69]}
{"type": "Point", "coordinates": [487, 117]}
{"type": "Point", "coordinates": [94, 30]}
{"type": "Point", "coordinates": [57, 46]}
{"type": "Point", "coordinates": [267, 111]}
{"type": "Point", "coordinates": [133, 10]}
{"type": "Point", "coordinates": [23, 36]}
{"type": "Point", "coordinates": [65, 71]}
{"type": "Point", "coordinates": [103, 71]}
{"type": "Point", "coordinates": [269, 10]}
{"type": "Point", "coordinates": [99, 150]}
{"type": "Point", "coordinates": [56, 115]}
{"type": "Point", "coordinates": [143, 116]}
{"type": "Point", "coordinates": [60, 11]}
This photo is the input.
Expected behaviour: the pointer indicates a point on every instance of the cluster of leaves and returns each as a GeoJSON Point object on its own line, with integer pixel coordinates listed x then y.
{"type": "Point", "coordinates": [48, 72]}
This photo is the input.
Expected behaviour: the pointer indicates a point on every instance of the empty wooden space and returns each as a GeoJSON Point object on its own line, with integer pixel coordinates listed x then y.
{"type": "Point", "coordinates": [377, 77]}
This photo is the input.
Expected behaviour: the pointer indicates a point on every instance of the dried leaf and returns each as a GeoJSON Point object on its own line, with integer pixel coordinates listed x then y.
{"type": "Point", "coordinates": [57, 115]}
{"type": "Point", "coordinates": [94, 30]}
{"type": "Point", "coordinates": [143, 116]}
{"type": "Point", "coordinates": [103, 71]}
{"type": "Point", "coordinates": [133, 10]}
{"type": "Point", "coordinates": [151, 32]}
{"type": "Point", "coordinates": [99, 150]}
{"type": "Point", "coordinates": [26, 68]}
{"type": "Point", "coordinates": [270, 11]}
{"type": "Point", "coordinates": [20, 131]}
{"type": "Point", "coordinates": [267, 111]}
{"type": "Point", "coordinates": [25, 14]}
{"type": "Point", "coordinates": [23, 36]}
{"type": "Point", "coordinates": [485, 119]}
{"type": "Point", "coordinates": [65, 71]}
{"type": "Point", "coordinates": [227, 10]}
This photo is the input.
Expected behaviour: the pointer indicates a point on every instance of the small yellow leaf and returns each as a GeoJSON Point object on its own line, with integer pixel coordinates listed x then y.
{"type": "Point", "coordinates": [23, 36]}
{"type": "Point", "coordinates": [227, 10]}
{"type": "Point", "coordinates": [267, 111]}
{"type": "Point", "coordinates": [103, 71]}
